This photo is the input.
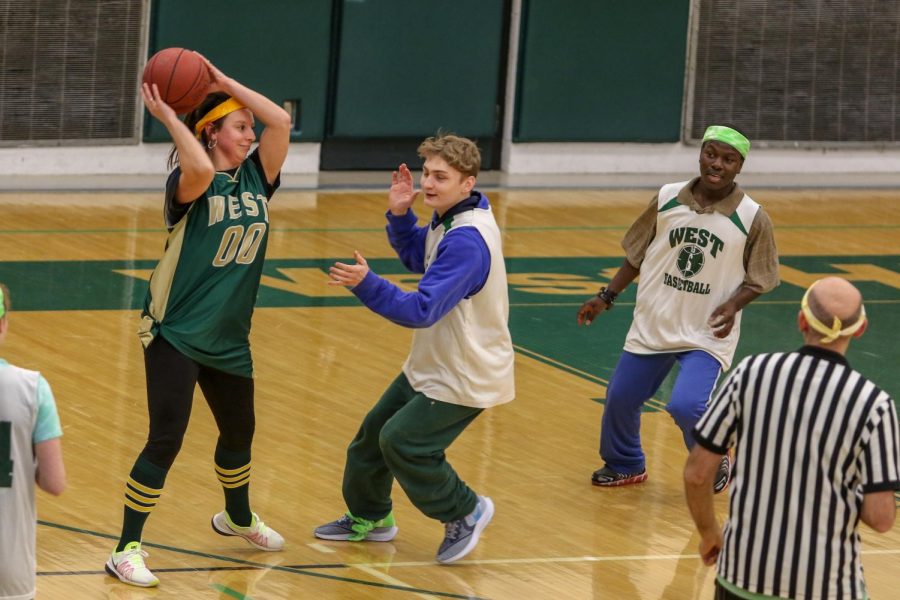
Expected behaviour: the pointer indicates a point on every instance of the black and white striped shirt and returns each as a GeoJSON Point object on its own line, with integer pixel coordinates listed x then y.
{"type": "Point", "coordinates": [812, 436]}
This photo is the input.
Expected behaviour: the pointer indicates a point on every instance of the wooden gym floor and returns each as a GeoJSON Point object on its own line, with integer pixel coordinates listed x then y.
{"type": "Point", "coordinates": [77, 265]}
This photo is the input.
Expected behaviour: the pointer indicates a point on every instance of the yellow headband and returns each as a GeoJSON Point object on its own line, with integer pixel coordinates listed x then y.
{"type": "Point", "coordinates": [829, 334]}
{"type": "Point", "coordinates": [219, 111]}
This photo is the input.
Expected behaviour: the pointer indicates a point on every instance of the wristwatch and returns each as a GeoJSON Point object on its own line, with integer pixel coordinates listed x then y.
{"type": "Point", "coordinates": [608, 296]}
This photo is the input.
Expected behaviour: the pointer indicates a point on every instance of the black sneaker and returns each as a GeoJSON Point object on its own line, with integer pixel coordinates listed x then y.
{"type": "Point", "coordinates": [723, 474]}
{"type": "Point", "coordinates": [606, 477]}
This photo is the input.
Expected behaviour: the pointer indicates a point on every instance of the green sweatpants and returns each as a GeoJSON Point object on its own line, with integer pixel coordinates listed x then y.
{"type": "Point", "coordinates": [404, 436]}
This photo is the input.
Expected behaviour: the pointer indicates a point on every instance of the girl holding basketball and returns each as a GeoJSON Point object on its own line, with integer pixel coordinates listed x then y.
{"type": "Point", "coordinates": [195, 323]}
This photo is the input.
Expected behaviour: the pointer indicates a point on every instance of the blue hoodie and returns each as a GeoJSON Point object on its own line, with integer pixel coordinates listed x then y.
{"type": "Point", "coordinates": [459, 269]}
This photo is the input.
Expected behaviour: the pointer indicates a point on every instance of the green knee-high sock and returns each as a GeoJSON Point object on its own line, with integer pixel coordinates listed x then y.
{"type": "Point", "coordinates": [142, 492]}
{"type": "Point", "coordinates": [233, 471]}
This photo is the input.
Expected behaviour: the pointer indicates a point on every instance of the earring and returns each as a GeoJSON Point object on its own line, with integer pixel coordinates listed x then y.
{"type": "Point", "coordinates": [211, 144]}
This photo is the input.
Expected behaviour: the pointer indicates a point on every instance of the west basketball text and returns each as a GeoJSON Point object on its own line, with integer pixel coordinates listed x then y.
{"type": "Point", "coordinates": [694, 235]}
{"type": "Point", "coordinates": [694, 287]}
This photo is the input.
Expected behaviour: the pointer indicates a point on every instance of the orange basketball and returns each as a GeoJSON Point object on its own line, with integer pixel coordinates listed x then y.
{"type": "Point", "coordinates": [181, 76]}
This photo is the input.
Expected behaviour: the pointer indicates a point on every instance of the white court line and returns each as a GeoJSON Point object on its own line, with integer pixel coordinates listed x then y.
{"type": "Point", "coordinates": [372, 570]}
{"type": "Point", "coordinates": [562, 559]}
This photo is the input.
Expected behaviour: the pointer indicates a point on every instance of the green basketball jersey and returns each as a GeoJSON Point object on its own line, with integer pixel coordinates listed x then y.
{"type": "Point", "coordinates": [203, 290]}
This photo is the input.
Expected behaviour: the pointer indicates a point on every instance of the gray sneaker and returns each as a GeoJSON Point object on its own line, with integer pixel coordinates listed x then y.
{"type": "Point", "coordinates": [356, 529]}
{"type": "Point", "coordinates": [461, 536]}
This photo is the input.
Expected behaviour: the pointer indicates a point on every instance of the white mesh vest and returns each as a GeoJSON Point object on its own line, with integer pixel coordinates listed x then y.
{"type": "Point", "coordinates": [467, 357]}
{"type": "Point", "coordinates": [694, 263]}
{"type": "Point", "coordinates": [18, 513]}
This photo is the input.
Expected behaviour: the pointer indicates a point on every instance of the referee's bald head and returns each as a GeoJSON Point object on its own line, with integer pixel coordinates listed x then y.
{"type": "Point", "coordinates": [835, 297]}
{"type": "Point", "coordinates": [832, 311]}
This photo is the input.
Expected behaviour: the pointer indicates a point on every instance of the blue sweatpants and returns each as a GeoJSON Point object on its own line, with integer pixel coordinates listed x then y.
{"type": "Point", "coordinates": [636, 378]}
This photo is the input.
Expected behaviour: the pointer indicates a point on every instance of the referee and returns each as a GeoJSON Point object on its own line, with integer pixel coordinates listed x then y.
{"type": "Point", "coordinates": [818, 451]}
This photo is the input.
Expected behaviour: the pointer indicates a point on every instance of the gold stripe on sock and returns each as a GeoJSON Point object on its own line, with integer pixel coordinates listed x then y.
{"type": "Point", "coordinates": [236, 484]}
{"type": "Point", "coordinates": [141, 500]}
{"type": "Point", "coordinates": [223, 472]}
{"type": "Point", "coordinates": [138, 507]}
{"type": "Point", "coordinates": [238, 477]}
{"type": "Point", "coordinates": [129, 489]}
{"type": "Point", "coordinates": [143, 488]}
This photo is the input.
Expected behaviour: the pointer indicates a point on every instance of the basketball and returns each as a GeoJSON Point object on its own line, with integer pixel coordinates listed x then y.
{"type": "Point", "coordinates": [181, 76]}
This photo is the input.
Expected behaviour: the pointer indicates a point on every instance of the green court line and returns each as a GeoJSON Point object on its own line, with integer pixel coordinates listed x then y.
{"type": "Point", "coordinates": [263, 565]}
{"type": "Point", "coordinates": [381, 229]}
{"type": "Point", "coordinates": [559, 365]}
{"type": "Point", "coordinates": [657, 404]}
{"type": "Point", "coordinates": [229, 592]}
{"type": "Point", "coordinates": [653, 402]}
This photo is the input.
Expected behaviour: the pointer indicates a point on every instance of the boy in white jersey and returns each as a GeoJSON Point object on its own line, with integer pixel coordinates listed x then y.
{"type": "Point", "coordinates": [460, 363]}
{"type": "Point", "coordinates": [30, 452]}
{"type": "Point", "coordinates": [704, 250]}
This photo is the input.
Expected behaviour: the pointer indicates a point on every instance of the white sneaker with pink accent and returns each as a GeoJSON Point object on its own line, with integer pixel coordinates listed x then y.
{"type": "Point", "coordinates": [257, 533]}
{"type": "Point", "coordinates": [128, 566]}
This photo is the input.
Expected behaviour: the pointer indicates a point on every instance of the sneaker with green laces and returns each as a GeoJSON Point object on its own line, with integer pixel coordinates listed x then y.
{"type": "Point", "coordinates": [128, 566]}
{"type": "Point", "coordinates": [356, 529]}
{"type": "Point", "coordinates": [257, 533]}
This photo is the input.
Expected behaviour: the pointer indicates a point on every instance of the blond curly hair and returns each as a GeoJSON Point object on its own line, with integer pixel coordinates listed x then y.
{"type": "Point", "coordinates": [460, 153]}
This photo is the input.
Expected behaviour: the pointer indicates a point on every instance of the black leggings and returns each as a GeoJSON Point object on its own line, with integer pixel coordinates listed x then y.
{"type": "Point", "coordinates": [171, 378]}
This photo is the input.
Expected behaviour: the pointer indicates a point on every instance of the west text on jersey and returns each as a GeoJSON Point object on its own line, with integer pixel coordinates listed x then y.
{"type": "Point", "coordinates": [695, 235]}
{"type": "Point", "coordinates": [248, 204]}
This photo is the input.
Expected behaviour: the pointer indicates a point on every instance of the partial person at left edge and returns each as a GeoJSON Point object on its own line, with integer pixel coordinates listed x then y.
{"type": "Point", "coordinates": [30, 452]}
{"type": "Point", "coordinates": [195, 326]}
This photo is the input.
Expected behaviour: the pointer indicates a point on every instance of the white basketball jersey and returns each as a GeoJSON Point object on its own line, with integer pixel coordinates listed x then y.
{"type": "Point", "coordinates": [18, 513]}
{"type": "Point", "coordinates": [467, 357]}
{"type": "Point", "coordinates": [694, 263]}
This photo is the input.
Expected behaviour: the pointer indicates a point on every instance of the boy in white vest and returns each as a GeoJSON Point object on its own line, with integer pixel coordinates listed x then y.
{"type": "Point", "coordinates": [460, 363]}
{"type": "Point", "coordinates": [30, 452]}
{"type": "Point", "coordinates": [704, 250]}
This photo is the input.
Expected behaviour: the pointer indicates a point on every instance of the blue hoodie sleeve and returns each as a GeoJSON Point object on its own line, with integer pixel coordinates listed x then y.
{"type": "Point", "coordinates": [459, 270]}
{"type": "Point", "coordinates": [408, 240]}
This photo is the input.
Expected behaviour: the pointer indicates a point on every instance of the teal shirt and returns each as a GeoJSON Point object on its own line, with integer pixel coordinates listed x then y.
{"type": "Point", "coordinates": [46, 426]}
{"type": "Point", "coordinates": [203, 291]}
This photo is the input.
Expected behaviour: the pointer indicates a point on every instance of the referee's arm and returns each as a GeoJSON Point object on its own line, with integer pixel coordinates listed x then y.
{"type": "Point", "coordinates": [880, 465]}
{"type": "Point", "coordinates": [699, 473]}
{"type": "Point", "coordinates": [879, 510]}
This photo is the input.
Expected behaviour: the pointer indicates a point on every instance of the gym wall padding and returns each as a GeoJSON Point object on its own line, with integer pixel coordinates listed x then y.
{"type": "Point", "coordinates": [277, 47]}
{"type": "Point", "coordinates": [408, 68]}
{"type": "Point", "coordinates": [601, 71]}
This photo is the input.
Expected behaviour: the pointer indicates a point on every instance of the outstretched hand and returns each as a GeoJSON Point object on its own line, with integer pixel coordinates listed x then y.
{"type": "Point", "coordinates": [349, 275]}
{"type": "Point", "coordinates": [403, 192]}
{"type": "Point", "coordinates": [155, 104]}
